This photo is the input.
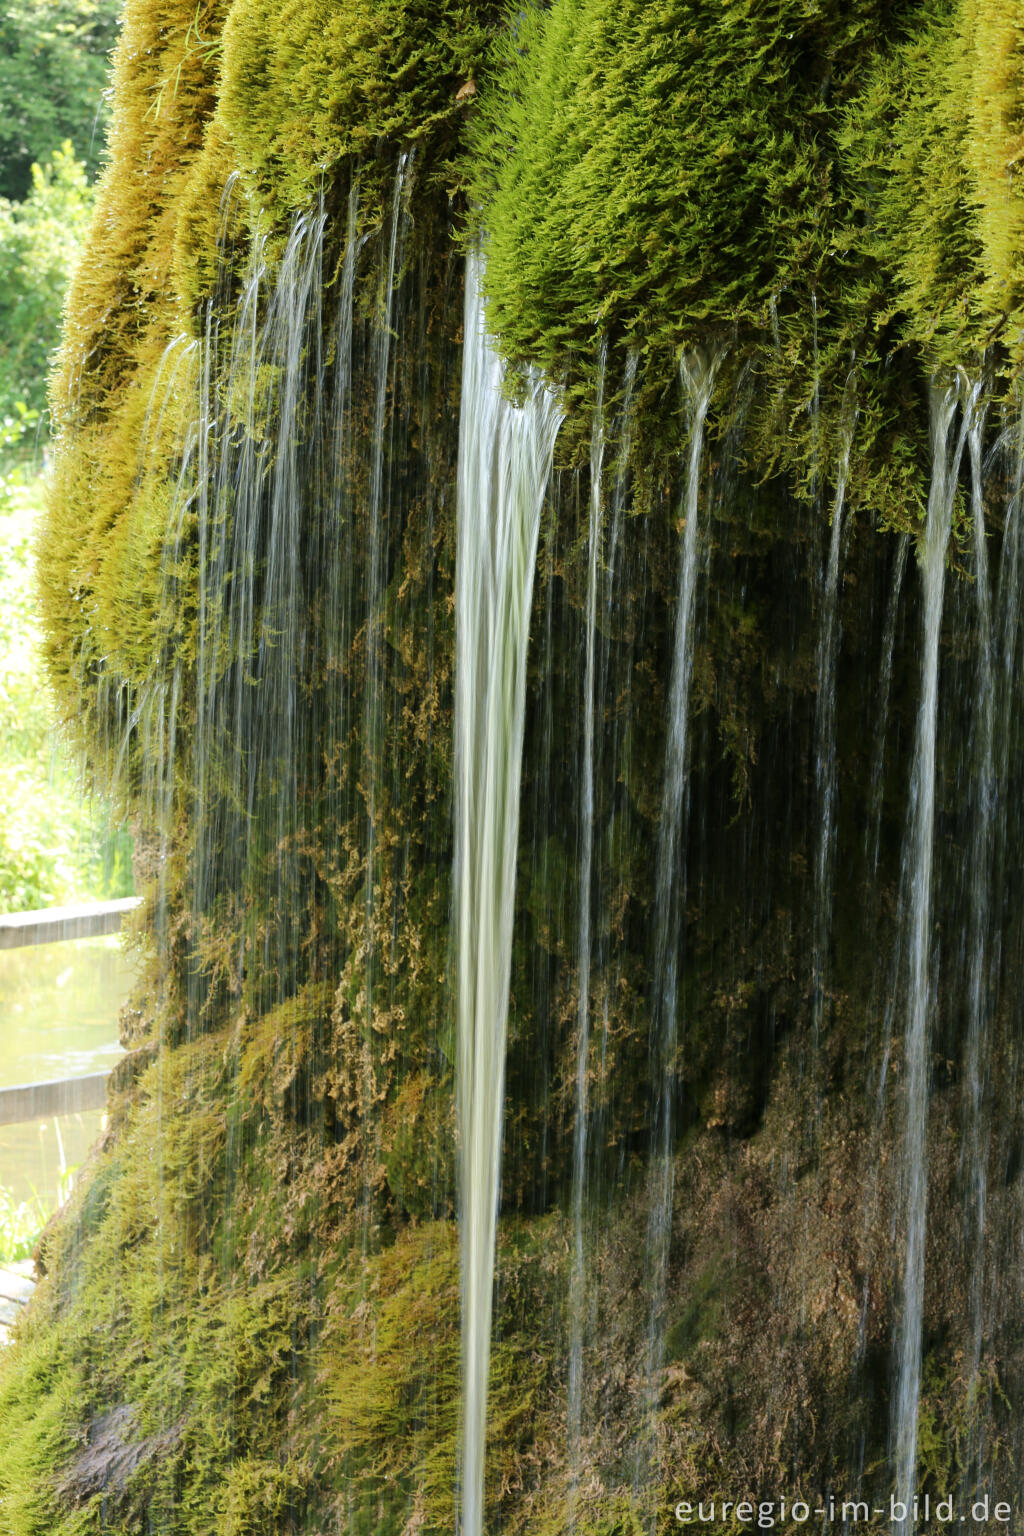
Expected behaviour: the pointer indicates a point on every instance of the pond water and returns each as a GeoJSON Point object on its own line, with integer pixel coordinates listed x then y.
{"type": "Point", "coordinates": [58, 1018]}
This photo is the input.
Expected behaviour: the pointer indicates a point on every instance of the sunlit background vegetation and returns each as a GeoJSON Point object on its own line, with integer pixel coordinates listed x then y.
{"type": "Point", "coordinates": [57, 840]}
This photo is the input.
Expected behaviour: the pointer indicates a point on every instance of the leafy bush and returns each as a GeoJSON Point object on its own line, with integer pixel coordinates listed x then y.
{"type": "Point", "coordinates": [39, 243]}
{"type": "Point", "coordinates": [52, 83]}
{"type": "Point", "coordinates": [16, 436]}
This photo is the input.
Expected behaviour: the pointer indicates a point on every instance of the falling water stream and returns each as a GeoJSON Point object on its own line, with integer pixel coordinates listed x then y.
{"type": "Point", "coordinates": [946, 448]}
{"type": "Point", "coordinates": [980, 863]}
{"type": "Point", "coordinates": [697, 371]}
{"type": "Point", "coordinates": [505, 457]}
{"type": "Point", "coordinates": [301, 469]}
{"type": "Point", "coordinates": [577, 1272]}
{"type": "Point", "coordinates": [825, 764]}
{"type": "Point", "coordinates": [877, 784]}
{"type": "Point", "coordinates": [378, 511]}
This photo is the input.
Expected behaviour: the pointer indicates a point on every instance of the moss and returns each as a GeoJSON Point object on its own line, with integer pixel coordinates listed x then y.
{"type": "Point", "coordinates": [228, 1354]}
{"type": "Point", "coordinates": [259, 1276]}
{"type": "Point", "coordinates": [907, 153]}
{"type": "Point", "coordinates": [594, 218]}
{"type": "Point", "coordinates": [844, 208]}
{"type": "Point", "coordinates": [995, 144]}
{"type": "Point", "coordinates": [40, 1406]}
{"type": "Point", "coordinates": [228, 118]}
{"type": "Point", "coordinates": [308, 87]}
{"type": "Point", "coordinates": [702, 1318]}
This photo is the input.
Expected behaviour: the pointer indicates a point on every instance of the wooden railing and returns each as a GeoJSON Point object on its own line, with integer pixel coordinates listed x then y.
{"type": "Point", "coordinates": [51, 925]}
{"type": "Point", "coordinates": [69, 1095]}
{"type": "Point", "coordinates": [64, 1096]}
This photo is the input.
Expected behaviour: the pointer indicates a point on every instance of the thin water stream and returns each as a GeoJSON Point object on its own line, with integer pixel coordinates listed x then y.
{"type": "Point", "coordinates": [378, 513]}
{"type": "Point", "coordinates": [980, 866]}
{"type": "Point", "coordinates": [876, 788]}
{"type": "Point", "coordinates": [825, 757]}
{"type": "Point", "coordinates": [698, 371]}
{"type": "Point", "coordinates": [577, 1277]}
{"type": "Point", "coordinates": [504, 461]}
{"type": "Point", "coordinates": [946, 448]}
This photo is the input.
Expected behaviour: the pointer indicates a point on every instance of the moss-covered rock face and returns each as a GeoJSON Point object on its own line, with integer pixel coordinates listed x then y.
{"type": "Point", "coordinates": [823, 189]}
{"type": "Point", "coordinates": [229, 119]}
{"type": "Point", "coordinates": [250, 1316]}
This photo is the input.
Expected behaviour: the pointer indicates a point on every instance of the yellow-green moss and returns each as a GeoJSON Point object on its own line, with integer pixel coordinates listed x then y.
{"type": "Point", "coordinates": [260, 1268]}
{"type": "Point", "coordinates": [995, 147]}
{"type": "Point", "coordinates": [824, 190]}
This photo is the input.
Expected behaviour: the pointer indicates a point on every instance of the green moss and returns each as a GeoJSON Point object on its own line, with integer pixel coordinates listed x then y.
{"type": "Point", "coordinates": [702, 1317]}
{"type": "Point", "coordinates": [595, 218]}
{"type": "Point", "coordinates": [820, 189]}
{"type": "Point", "coordinates": [906, 153]}
{"type": "Point", "coordinates": [40, 1406]}
{"type": "Point", "coordinates": [260, 1273]}
{"type": "Point", "coordinates": [306, 87]}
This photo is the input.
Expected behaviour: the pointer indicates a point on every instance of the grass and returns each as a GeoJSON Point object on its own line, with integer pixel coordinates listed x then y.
{"type": "Point", "coordinates": [21, 1222]}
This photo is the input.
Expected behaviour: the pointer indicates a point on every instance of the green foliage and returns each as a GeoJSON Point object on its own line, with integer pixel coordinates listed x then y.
{"type": "Point", "coordinates": [278, 1374]}
{"type": "Point", "coordinates": [40, 239]}
{"type": "Point", "coordinates": [54, 845]}
{"type": "Point", "coordinates": [42, 1400]}
{"type": "Point", "coordinates": [52, 83]}
{"type": "Point", "coordinates": [21, 1222]}
{"type": "Point", "coordinates": [16, 435]}
{"type": "Point", "coordinates": [905, 152]}
{"type": "Point", "coordinates": [670, 175]}
{"type": "Point", "coordinates": [305, 90]}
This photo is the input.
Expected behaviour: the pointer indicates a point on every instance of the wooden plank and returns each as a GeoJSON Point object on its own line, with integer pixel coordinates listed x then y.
{"type": "Point", "coordinates": [68, 1096]}
{"type": "Point", "coordinates": [51, 925]}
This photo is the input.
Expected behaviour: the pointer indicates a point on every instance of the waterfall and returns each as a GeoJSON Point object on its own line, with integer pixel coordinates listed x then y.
{"type": "Point", "coordinates": [885, 980]}
{"type": "Point", "coordinates": [918, 896]}
{"type": "Point", "coordinates": [979, 864]}
{"type": "Point", "coordinates": [1006, 833]}
{"type": "Point", "coordinates": [505, 457]}
{"type": "Point", "coordinates": [1008, 604]}
{"type": "Point", "coordinates": [698, 372]}
{"type": "Point", "coordinates": [825, 716]}
{"type": "Point", "coordinates": [246, 480]}
{"type": "Point", "coordinates": [877, 782]}
{"type": "Point", "coordinates": [814, 405]}
{"type": "Point", "coordinates": [337, 633]}
{"type": "Point", "coordinates": [618, 497]}
{"type": "Point", "coordinates": [376, 579]}
{"type": "Point", "coordinates": [263, 513]}
{"type": "Point", "coordinates": [613, 680]}
{"type": "Point", "coordinates": [577, 1271]}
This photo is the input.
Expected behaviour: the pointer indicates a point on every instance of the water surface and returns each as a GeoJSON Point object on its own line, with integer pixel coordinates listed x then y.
{"type": "Point", "coordinates": [59, 1005]}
